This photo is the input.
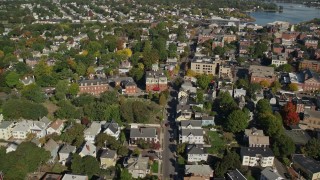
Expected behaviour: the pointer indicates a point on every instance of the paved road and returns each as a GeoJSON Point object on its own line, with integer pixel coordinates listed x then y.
{"type": "Point", "coordinates": [168, 159]}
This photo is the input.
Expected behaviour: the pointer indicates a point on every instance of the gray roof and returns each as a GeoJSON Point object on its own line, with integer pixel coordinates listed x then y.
{"type": "Point", "coordinates": [299, 137]}
{"type": "Point", "coordinates": [112, 126]}
{"type": "Point", "coordinates": [195, 132]}
{"type": "Point", "coordinates": [5, 124]}
{"type": "Point", "coordinates": [271, 173]}
{"type": "Point", "coordinates": [50, 145]}
{"type": "Point", "coordinates": [94, 129]}
{"type": "Point", "coordinates": [306, 162]}
{"type": "Point", "coordinates": [67, 149]}
{"type": "Point", "coordinates": [236, 174]}
{"type": "Point", "coordinates": [143, 132]}
{"type": "Point", "coordinates": [191, 123]}
{"type": "Point", "coordinates": [199, 170]}
{"type": "Point", "coordinates": [155, 74]}
{"type": "Point", "coordinates": [195, 149]}
{"type": "Point", "coordinates": [108, 153]}
{"type": "Point", "coordinates": [253, 151]}
{"type": "Point", "coordinates": [138, 163]}
{"type": "Point", "coordinates": [92, 82]}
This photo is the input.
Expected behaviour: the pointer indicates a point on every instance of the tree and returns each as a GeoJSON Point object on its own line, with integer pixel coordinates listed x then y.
{"type": "Point", "coordinates": [191, 73]}
{"type": "Point", "coordinates": [275, 86]}
{"type": "Point", "coordinates": [200, 97]}
{"type": "Point", "coordinates": [265, 83]}
{"type": "Point", "coordinates": [293, 87]}
{"type": "Point", "coordinates": [285, 68]}
{"type": "Point", "coordinates": [225, 104]}
{"type": "Point", "coordinates": [237, 121]}
{"type": "Point", "coordinates": [21, 108]}
{"type": "Point", "coordinates": [73, 89]}
{"type": "Point", "coordinates": [204, 80]}
{"type": "Point", "coordinates": [283, 145]}
{"type": "Point", "coordinates": [61, 89]}
{"type": "Point", "coordinates": [74, 135]}
{"type": "Point", "coordinates": [87, 165]}
{"type": "Point", "coordinates": [270, 124]}
{"type": "Point", "coordinates": [290, 116]}
{"type": "Point", "coordinates": [230, 160]}
{"type": "Point", "coordinates": [125, 175]}
{"type": "Point", "coordinates": [33, 92]}
{"type": "Point", "coordinates": [162, 100]}
{"type": "Point", "coordinates": [122, 151]}
{"type": "Point", "coordinates": [12, 79]}
{"type": "Point", "coordinates": [66, 110]}
{"type": "Point", "coordinates": [136, 152]}
{"type": "Point", "coordinates": [312, 148]}
{"type": "Point", "coordinates": [263, 106]}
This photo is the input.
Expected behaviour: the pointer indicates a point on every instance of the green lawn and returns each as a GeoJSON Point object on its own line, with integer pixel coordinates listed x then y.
{"type": "Point", "coordinates": [217, 142]}
{"type": "Point", "coordinates": [155, 167]}
{"type": "Point", "coordinates": [58, 168]}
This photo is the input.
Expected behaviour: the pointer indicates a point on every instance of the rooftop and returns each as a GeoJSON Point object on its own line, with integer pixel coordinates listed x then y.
{"type": "Point", "coordinates": [143, 132]}
{"type": "Point", "coordinates": [261, 71]}
{"type": "Point", "coordinates": [199, 170]}
{"type": "Point", "coordinates": [306, 162]}
{"type": "Point", "coordinates": [236, 174]}
{"type": "Point", "coordinates": [271, 173]}
{"type": "Point", "coordinates": [299, 137]}
{"type": "Point", "coordinates": [5, 124]}
{"type": "Point", "coordinates": [253, 151]}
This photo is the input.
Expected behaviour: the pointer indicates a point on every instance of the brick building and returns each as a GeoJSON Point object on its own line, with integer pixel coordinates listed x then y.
{"type": "Point", "coordinates": [129, 87]}
{"type": "Point", "coordinates": [261, 73]}
{"type": "Point", "coordinates": [156, 81]}
{"type": "Point", "coordinates": [93, 86]}
{"type": "Point", "coordinates": [311, 43]}
{"type": "Point", "coordinates": [310, 64]}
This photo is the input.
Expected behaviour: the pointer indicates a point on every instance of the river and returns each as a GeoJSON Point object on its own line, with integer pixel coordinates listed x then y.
{"type": "Point", "coordinates": [293, 13]}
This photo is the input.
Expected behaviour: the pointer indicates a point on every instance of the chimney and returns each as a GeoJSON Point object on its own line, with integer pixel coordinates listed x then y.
{"type": "Point", "coordinates": [88, 148]}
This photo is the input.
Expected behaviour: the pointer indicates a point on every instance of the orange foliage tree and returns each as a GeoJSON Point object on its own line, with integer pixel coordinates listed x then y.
{"type": "Point", "coordinates": [289, 114]}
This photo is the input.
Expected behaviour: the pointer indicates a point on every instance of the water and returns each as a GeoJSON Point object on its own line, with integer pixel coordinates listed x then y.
{"type": "Point", "coordinates": [293, 13]}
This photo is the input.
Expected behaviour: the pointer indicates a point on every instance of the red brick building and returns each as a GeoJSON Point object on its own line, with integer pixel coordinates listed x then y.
{"type": "Point", "coordinates": [93, 86]}
{"type": "Point", "coordinates": [129, 87]}
{"type": "Point", "coordinates": [261, 73]}
{"type": "Point", "coordinates": [277, 49]}
{"type": "Point", "coordinates": [311, 43]}
{"type": "Point", "coordinates": [311, 81]}
{"type": "Point", "coordinates": [156, 81]}
{"type": "Point", "coordinates": [310, 64]}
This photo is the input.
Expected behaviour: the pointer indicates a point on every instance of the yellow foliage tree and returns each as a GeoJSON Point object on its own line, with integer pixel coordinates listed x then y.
{"type": "Point", "coordinates": [1, 54]}
{"type": "Point", "coordinates": [191, 73]}
{"type": "Point", "coordinates": [293, 87]}
{"type": "Point", "coordinates": [84, 52]}
{"type": "Point", "coordinates": [265, 83]}
{"type": "Point", "coordinates": [126, 52]}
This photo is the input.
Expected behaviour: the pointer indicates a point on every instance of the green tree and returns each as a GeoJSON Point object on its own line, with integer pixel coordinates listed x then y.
{"type": "Point", "coordinates": [283, 146]}
{"type": "Point", "coordinates": [12, 79]}
{"type": "Point", "coordinates": [285, 68]}
{"type": "Point", "coordinates": [237, 121]}
{"type": "Point", "coordinates": [125, 175]}
{"type": "Point", "coordinates": [162, 100]}
{"type": "Point", "coordinates": [204, 80]}
{"type": "Point", "coordinates": [73, 89]}
{"type": "Point", "coordinates": [200, 97]}
{"type": "Point", "coordinates": [74, 135]}
{"type": "Point", "coordinates": [33, 92]}
{"type": "Point", "coordinates": [122, 151]}
{"type": "Point", "coordinates": [275, 86]}
{"type": "Point", "coordinates": [66, 110]}
{"type": "Point", "coordinates": [21, 108]}
{"type": "Point", "coordinates": [312, 148]}
{"type": "Point", "coordinates": [263, 106]}
{"type": "Point", "coordinates": [293, 87]}
{"type": "Point", "coordinates": [61, 89]}
{"type": "Point", "coordinates": [230, 160]}
{"type": "Point", "coordinates": [87, 165]}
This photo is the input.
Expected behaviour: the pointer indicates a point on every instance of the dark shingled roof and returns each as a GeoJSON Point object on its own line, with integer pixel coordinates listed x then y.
{"type": "Point", "coordinates": [253, 151]}
{"type": "Point", "coordinates": [306, 162]}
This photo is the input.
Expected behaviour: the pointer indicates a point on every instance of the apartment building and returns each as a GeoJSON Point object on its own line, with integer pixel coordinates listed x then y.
{"type": "Point", "coordinates": [6, 129]}
{"type": "Point", "coordinates": [205, 65]}
{"type": "Point", "coordinates": [156, 81]}
{"type": "Point", "coordinates": [93, 86]}
{"type": "Point", "coordinates": [257, 156]}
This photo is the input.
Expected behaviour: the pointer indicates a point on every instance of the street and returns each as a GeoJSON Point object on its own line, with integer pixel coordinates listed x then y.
{"type": "Point", "coordinates": [169, 161]}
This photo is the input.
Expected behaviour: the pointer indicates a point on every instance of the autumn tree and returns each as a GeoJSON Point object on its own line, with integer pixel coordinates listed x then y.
{"type": "Point", "coordinates": [289, 114]}
{"type": "Point", "coordinates": [293, 87]}
{"type": "Point", "coordinates": [265, 84]}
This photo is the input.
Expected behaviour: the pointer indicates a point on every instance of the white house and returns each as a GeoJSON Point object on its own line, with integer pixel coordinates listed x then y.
{"type": "Point", "coordinates": [12, 147]}
{"type": "Point", "coordinates": [6, 129]}
{"type": "Point", "coordinates": [148, 134]}
{"type": "Point", "coordinates": [196, 153]}
{"type": "Point", "coordinates": [21, 130]}
{"type": "Point", "coordinates": [65, 153]}
{"type": "Point", "coordinates": [91, 132]}
{"type": "Point", "coordinates": [191, 136]}
{"type": "Point", "coordinates": [39, 127]}
{"type": "Point", "coordinates": [88, 149]}
{"type": "Point", "coordinates": [55, 127]}
{"type": "Point", "coordinates": [112, 129]}
{"type": "Point", "coordinates": [257, 156]}
{"type": "Point", "coordinates": [239, 92]}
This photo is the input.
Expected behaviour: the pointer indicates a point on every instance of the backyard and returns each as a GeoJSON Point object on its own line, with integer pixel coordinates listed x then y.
{"type": "Point", "coordinates": [217, 142]}
{"type": "Point", "coordinates": [155, 167]}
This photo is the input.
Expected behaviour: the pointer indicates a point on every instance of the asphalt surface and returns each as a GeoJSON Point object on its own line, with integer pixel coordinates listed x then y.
{"type": "Point", "coordinates": [168, 159]}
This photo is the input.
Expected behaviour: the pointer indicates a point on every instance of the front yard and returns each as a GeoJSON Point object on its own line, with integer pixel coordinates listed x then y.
{"type": "Point", "coordinates": [155, 167]}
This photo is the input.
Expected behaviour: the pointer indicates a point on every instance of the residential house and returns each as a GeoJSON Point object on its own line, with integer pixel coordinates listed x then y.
{"type": "Point", "coordinates": [258, 141]}
{"type": "Point", "coordinates": [6, 128]}
{"type": "Point", "coordinates": [92, 131]}
{"type": "Point", "coordinates": [225, 72]}
{"type": "Point", "coordinates": [191, 124]}
{"type": "Point", "coordinates": [53, 148]}
{"type": "Point", "coordinates": [27, 80]}
{"type": "Point", "coordinates": [244, 46]}
{"type": "Point", "coordinates": [288, 38]}
{"type": "Point", "coordinates": [191, 136]}
{"type": "Point", "coordinates": [184, 112]}
{"type": "Point", "coordinates": [311, 43]}
{"type": "Point", "coordinates": [75, 177]}
{"type": "Point", "coordinates": [112, 129]}
{"type": "Point", "coordinates": [278, 60]}
{"type": "Point", "coordinates": [207, 120]}
{"type": "Point", "coordinates": [311, 119]}
{"type": "Point", "coordinates": [299, 136]}
{"type": "Point", "coordinates": [310, 64]}
{"type": "Point", "coordinates": [65, 153]}
{"type": "Point", "coordinates": [21, 130]}
{"type": "Point", "coordinates": [39, 127]}
{"type": "Point", "coordinates": [12, 147]}
{"type": "Point", "coordinates": [148, 134]}
{"type": "Point", "coordinates": [93, 86]}
{"type": "Point", "coordinates": [261, 73]}
{"type": "Point", "coordinates": [203, 171]}
{"type": "Point", "coordinates": [128, 87]}
{"type": "Point", "coordinates": [108, 158]}
{"type": "Point", "coordinates": [237, 93]}
{"type": "Point", "coordinates": [309, 167]}
{"type": "Point", "coordinates": [311, 80]}
{"type": "Point", "coordinates": [257, 156]}
{"type": "Point", "coordinates": [88, 149]}
{"type": "Point", "coordinates": [235, 175]}
{"type": "Point", "coordinates": [156, 81]}
{"type": "Point", "coordinates": [138, 166]}
{"type": "Point", "coordinates": [55, 127]}
{"type": "Point", "coordinates": [270, 173]}
{"type": "Point", "coordinates": [196, 153]}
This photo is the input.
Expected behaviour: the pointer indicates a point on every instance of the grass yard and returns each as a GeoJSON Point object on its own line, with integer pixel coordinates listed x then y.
{"type": "Point", "coordinates": [155, 167]}
{"type": "Point", "coordinates": [217, 142]}
{"type": "Point", "coordinates": [58, 168]}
